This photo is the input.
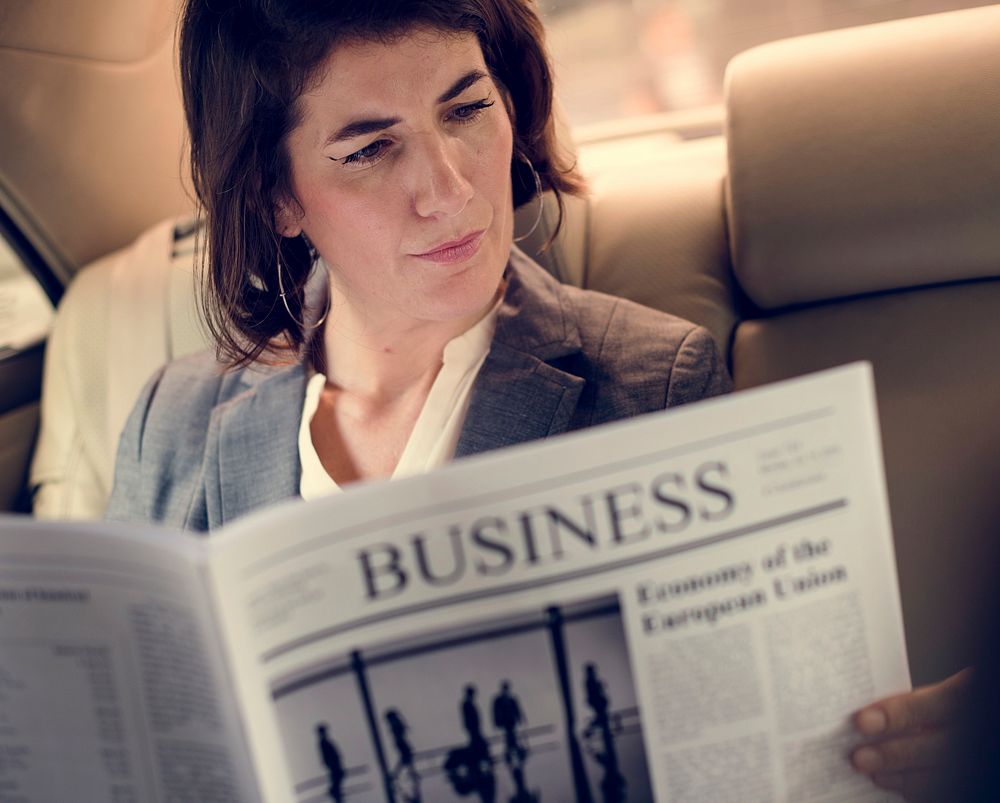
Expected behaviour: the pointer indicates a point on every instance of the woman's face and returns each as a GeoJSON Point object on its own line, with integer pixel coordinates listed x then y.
{"type": "Point", "coordinates": [400, 167]}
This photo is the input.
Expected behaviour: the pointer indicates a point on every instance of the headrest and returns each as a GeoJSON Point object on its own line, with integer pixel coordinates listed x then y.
{"type": "Point", "coordinates": [866, 159]}
{"type": "Point", "coordinates": [91, 124]}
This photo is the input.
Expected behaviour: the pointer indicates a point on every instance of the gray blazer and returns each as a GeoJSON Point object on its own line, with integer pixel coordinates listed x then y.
{"type": "Point", "coordinates": [204, 446]}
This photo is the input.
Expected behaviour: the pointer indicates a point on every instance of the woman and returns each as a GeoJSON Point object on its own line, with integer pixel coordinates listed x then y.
{"type": "Point", "coordinates": [379, 147]}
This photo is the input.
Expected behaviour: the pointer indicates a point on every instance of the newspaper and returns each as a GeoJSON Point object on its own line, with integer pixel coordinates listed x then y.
{"type": "Point", "coordinates": [682, 607]}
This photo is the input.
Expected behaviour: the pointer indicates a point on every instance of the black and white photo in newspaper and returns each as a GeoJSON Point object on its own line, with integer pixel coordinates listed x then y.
{"type": "Point", "coordinates": [683, 607]}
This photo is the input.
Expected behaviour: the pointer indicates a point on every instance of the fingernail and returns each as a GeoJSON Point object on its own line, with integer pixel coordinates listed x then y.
{"type": "Point", "coordinates": [871, 721]}
{"type": "Point", "coordinates": [868, 759]}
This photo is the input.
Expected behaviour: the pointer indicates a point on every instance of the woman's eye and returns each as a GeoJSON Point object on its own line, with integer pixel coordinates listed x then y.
{"type": "Point", "coordinates": [368, 154]}
{"type": "Point", "coordinates": [470, 111]}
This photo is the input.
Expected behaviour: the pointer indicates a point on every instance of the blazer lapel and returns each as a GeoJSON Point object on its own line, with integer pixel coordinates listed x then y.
{"type": "Point", "coordinates": [517, 398]}
{"type": "Point", "coordinates": [519, 394]}
{"type": "Point", "coordinates": [256, 438]}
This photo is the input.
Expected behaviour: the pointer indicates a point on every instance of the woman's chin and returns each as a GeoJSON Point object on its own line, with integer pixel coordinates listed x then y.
{"type": "Point", "coordinates": [464, 301]}
{"type": "Point", "coordinates": [468, 291]}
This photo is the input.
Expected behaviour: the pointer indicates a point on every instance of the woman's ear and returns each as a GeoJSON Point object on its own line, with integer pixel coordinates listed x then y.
{"type": "Point", "coordinates": [287, 218]}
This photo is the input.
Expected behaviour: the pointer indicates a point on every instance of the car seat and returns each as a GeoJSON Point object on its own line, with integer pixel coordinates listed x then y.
{"type": "Point", "coordinates": [864, 215]}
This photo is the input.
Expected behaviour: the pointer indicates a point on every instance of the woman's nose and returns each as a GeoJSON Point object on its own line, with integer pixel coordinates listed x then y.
{"type": "Point", "coordinates": [440, 188]}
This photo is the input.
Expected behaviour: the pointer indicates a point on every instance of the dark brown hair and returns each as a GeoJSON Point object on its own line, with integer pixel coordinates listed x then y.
{"type": "Point", "coordinates": [245, 63]}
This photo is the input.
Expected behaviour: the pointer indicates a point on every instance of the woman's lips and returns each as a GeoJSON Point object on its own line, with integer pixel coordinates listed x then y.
{"type": "Point", "coordinates": [455, 251]}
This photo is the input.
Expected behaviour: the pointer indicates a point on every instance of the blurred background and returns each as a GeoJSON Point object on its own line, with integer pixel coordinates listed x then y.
{"type": "Point", "coordinates": [622, 58]}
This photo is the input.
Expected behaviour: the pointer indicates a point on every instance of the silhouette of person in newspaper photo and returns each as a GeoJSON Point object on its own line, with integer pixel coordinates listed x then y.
{"type": "Point", "coordinates": [471, 723]}
{"type": "Point", "coordinates": [331, 760]}
{"type": "Point", "coordinates": [600, 730]}
{"type": "Point", "coordinates": [597, 699]}
{"type": "Point", "coordinates": [469, 769]}
{"type": "Point", "coordinates": [404, 776]}
{"type": "Point", "coordinates": [508, 717]}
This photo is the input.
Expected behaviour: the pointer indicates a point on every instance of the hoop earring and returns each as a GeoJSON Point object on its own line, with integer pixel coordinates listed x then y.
{"type": "Point", "coordinates": [538, 195]}
{"type": "Point", "coordinates": [281, 294]}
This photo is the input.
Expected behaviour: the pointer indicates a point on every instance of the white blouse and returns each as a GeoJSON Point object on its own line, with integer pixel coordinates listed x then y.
{"type": "Point", "coordinates": [435, 435]}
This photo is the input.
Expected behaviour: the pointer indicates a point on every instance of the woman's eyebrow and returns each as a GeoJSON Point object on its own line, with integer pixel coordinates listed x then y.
{"type": "Point", "coordinates": [357, 128]}
{"type": "Point", "coordinates": [463, 83]}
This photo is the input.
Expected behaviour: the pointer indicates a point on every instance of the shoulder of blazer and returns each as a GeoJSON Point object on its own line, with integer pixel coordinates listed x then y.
{"type": "Point", "coordinates": [638, 360]}
{"type": "Point", "coordinates": [158, 473]}
{"type": "Point", "coordinates": [635, 358]}
{"type": "Point", "coordinates": [190, 388]}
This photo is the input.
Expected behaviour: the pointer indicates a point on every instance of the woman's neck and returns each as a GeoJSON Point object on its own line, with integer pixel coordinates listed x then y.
{"type": "Point", "coordinates": [386, 360]}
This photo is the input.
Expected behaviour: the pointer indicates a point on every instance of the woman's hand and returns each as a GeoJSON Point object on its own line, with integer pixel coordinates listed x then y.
{"type": "Point", "coordinates": [910, 738]}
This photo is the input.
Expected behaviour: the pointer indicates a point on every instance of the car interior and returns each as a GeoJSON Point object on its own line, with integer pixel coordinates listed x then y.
{"type": "Point", "coordinates": [849, 210]}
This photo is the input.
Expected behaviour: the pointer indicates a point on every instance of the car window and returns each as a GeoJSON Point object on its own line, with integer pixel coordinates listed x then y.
{"type": "Point", "coordinates": [25, 310]}
{"type": "Point", "coordinates": [626, 58]}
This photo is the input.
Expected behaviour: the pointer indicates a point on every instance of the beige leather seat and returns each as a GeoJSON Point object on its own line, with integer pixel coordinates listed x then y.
{"type": "Point", "coordinates": [864, 212]}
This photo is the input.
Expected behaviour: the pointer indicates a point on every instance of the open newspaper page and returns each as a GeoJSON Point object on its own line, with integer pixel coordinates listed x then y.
{"type": "Point", "coordinates": [113, 685]}
{"type": "Point", "coordinates": [684, 607]}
